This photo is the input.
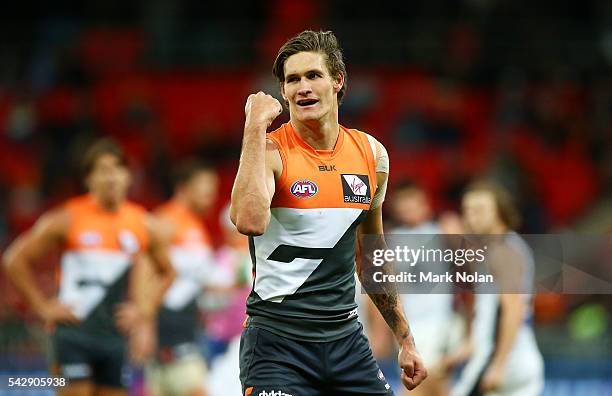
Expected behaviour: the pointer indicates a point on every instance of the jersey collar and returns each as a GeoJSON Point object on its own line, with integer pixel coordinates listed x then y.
{"type": "Point", "coordinates": [311, 150]}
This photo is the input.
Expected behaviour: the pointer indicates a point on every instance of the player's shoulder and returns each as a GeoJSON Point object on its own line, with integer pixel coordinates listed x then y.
{"type": "Point", "coordinates": [278, 134]}
{"type": "Point", "coordinates": [56, 220]}
{"type": "Point", "coordinates": [375, 142]}
{"type": "Point", "coordinates": [170, 214]}
{"type": "Point", "coordinates": [277, 142]}
{"type": "Point", "coordinates": [377, 147]}
{"type": "Point", "coordinates": [79, 202]}
{"type": "Point", "coordinates": [381, 156]}
{"type": "Point", "coordinates": [134, 208]}
{"type": "Point", "coordinates": [78, 207]}
{"type": "Point", "coordinates": [167, 208]}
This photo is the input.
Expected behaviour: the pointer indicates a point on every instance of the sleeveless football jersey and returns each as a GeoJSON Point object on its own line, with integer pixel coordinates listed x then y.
{"type": "Point", "coordinates": [95, 264]}
{"type": "Point", "coordinates": [304, 264]}
{"type": "Point", "coordinates": [191, 256]}
{"type": "Point", "coordinates": [524, 363]}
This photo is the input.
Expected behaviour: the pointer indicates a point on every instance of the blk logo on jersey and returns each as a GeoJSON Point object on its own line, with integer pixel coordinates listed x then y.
{"type": "Point", "coordinates": [304, 189]}
{"type": "Point", "coordinates": [356, 189]}
{"type": "Point", "coordinates": [327, 168]}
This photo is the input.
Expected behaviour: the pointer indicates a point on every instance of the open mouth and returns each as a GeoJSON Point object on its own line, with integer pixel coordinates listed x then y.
{"type": "Point", "coordinates": [307, 102]}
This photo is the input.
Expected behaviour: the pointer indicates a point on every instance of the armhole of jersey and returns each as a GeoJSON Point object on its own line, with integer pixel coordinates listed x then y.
{"type": "Point", "coordinates": [69, 238]}
{"type": "Point", "coordinates": [283, 177]}
{"type": "Point", "coordinates": [374, 146]}
{"type": "Point", "coordinates": [146, 236]}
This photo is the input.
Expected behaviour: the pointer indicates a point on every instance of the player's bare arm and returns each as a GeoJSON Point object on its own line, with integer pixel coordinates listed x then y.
{"type": "Point", "coordinates": [160, 236]}
{"type": "Point", "coordinates": [383, 342]}
{"type": "Point", "coordinates": [47, 234]}
{"type": "Point", "coordinates": [152, 275]}
{"type": "Point", "coordinates": [387, 301]}
{"type": "Point", "coordinates": [465, 350]}
{"type": "Point", "coordinates": [144, 286]}
{"type": "Point", "coordinates": [512, 314]}
{"type": "Point", "coordinates": [259, 164]}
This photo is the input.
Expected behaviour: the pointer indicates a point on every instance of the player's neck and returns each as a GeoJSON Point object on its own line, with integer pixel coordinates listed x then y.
{"type": "Point", "coordinates": [498, 229]}
{"type": "Point", "coordinates": [107, 205]}
{"type": "Point", "coordinates": [182, 200]}
{"type": "Point", "coordinates": [319, 134]}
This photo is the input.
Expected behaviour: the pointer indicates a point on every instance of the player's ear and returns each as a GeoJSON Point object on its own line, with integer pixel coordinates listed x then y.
{"type": "Point", "coordinates": [282, 91]}
{"type": "Point", "coordinates": [338, 82]}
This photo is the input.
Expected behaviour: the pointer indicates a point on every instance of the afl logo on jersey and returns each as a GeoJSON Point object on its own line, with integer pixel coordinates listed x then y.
{"type": "Point", "coordinates": [304, 189]}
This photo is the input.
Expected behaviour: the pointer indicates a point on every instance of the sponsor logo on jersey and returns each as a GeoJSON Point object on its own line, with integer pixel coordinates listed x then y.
{"type": "Point", "coordinates": [75, 370]}
{"type": "Point", "coordinates": [304, 189]}
{"type": "Point", "coordinates": [274, 393]}
{"type": "Point", "coordinates": [90, 238]}
{"type": "Point", "coordinates": [128, 241]}
{"type": "Point", "coordinates": [193, 239]}
{"type": "Point", "coordinates": [352, 313]}
{"type": "Point", "coordinates": [356, 189]}
{"type": "Point", "coordinates": [327, 168]}
{"type": "Point", "coordinates": [381, 377]}
{"type": "Point", "coordinates": [193, 235]}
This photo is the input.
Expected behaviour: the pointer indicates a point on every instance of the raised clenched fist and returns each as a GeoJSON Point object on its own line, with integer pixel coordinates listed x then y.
{"type": "Point", "coordinates": [262, 108]}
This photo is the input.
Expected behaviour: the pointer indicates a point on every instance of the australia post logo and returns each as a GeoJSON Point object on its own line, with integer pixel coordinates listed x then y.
{"type": "Point", "coordinates": [356, 189]}
{"type": "Point", "coordinates": [304, 189]}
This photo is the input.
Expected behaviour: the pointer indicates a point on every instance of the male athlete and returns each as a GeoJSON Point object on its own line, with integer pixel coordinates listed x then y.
{"type": "Point", "coordinates": [505, 359]}
{"type": "Point", "coordinates": [101, 235]}
{"type": "Point", "coordinates": [178, 368]}
{"type": "Point", "coordinates": [431, 314]}
{"type": "Point", "coordinates": [303, 193]}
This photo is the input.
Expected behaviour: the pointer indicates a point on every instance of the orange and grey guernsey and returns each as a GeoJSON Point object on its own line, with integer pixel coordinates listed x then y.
{"type": "Point", "coordinates": [192, 258]}
{"type": "Point", "coordinates": [304, 264]}
{"type": "Point", "coordinates": [98, 253]}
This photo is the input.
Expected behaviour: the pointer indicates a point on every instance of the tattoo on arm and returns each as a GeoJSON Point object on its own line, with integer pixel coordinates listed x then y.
{"type": "Point", "coordinates": [384, 295]}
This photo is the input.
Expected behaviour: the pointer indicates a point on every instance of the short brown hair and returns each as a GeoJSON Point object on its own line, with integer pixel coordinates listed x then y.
{"type": "Point", "coordinates": [506, 207]}
{"type": "Point", "coordinates": [322, 42]}
{"type": "Point", "coordinates": [96, 150]}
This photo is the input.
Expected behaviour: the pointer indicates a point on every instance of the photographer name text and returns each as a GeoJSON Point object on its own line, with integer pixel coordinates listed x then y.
{"type": "Point", "coordinates": [430, 277]}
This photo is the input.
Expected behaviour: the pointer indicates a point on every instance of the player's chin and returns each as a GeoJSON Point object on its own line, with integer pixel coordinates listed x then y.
{"type": "Point", "coordinates": [308, 115]}
{"type": "Point", "coordinates": [114, 197]}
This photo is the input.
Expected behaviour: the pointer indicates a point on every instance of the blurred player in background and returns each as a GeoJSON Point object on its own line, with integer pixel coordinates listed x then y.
{"type": "Point", "coordinates": [306, 193]}
{"type": "Point", "coordinates": [505, 359]}
{"type": "Point", "coordinates": [224, 325]}
{"type": "Point", "coordinates": [430, 313]}
{"type": "Point", "coordinates": [232, 285]}
{"type": "Point", "coordinates": [101, 235]}
{"type": "Point", "coordinates": [178, 368]}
